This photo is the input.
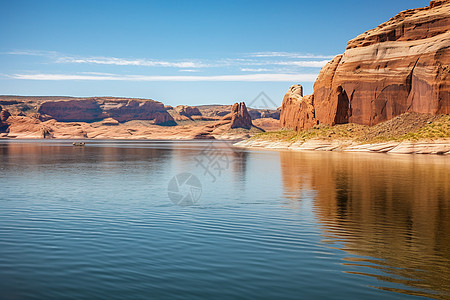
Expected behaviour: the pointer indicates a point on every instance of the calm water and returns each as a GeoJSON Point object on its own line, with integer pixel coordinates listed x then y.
{"type": "Point", "coordinates": [96, 222]}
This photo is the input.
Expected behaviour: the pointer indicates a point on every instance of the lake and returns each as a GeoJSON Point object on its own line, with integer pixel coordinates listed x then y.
{"type": "Point", "coordinates": [202, 220]}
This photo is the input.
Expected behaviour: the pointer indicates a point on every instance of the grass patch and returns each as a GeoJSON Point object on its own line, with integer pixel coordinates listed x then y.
{"type": "Point", "coordinates": [439, 129]}
{"type": "Point", "coordinates": [406, 127]}
{"type": "Point", "coordinates": [279, 135]}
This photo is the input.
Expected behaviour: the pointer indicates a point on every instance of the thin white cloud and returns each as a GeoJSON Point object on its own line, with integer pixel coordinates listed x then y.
{"type": "Point", "coordinates": [290, 55]}
{"type": "Point", "coordinates": [98, 73]}
{"type": "Point", "coordinates": [101, 60]}
{"type": "Point", "coordinates": [242, 78]}
{"type": "Point", "coordinates": [33, 53]}
{"type": "Point", "coordinates": [188, 70]}
{"type": "Point", "coordinates": [129, 62]}
{"type": "Point", "coordinates": [304, 63]}
{"type": "Point", "coordinates": [254, 70]}
{"type": "Point", "coordinates": [254, 62]}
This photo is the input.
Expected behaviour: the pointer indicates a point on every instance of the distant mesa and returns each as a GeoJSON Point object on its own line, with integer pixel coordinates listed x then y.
{"type": "Point", "coordinates": [97, 109]}
{"type": "Point", "coordinates": [139, 110]}
{"type": "Point", "coordinates": [264, 113]}
{"type": "Point", "coordinates": [400, 66]}
{"type": "Point", "coordinates": [72, 110]}
{"type": "Point", "coordinates": [188, 111]}
{"type": "Point", "coordinates": [128, 118]}
{"type": "Point", "coordinates": [61, 117]}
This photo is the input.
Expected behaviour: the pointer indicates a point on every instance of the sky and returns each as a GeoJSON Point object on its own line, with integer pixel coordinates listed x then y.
{"type": "Point", "coordinates": [178, 52]}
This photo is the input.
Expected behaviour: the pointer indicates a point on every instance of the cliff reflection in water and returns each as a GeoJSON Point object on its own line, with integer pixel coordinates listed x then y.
{"type": "Point", "coordinates": [389, 213]}
{"type": "Point", "coordinates": [37, 156]}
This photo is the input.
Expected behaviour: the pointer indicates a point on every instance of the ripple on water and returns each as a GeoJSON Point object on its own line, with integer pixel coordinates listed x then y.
{"type": "Point", "coordinates": [98, 224]}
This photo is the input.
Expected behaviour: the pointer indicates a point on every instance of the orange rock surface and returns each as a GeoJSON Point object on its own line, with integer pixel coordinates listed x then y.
{"type": "Point", "coordinates": [400, 66]}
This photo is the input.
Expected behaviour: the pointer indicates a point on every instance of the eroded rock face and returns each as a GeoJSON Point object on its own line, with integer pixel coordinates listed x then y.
{"type": "Point", "coordinates": [188, 111]}
{"type": "Point", "coordinates": [297, 112]}
{"type": "Point", "coordinates": [400, 66]}
{"type": "Point", "coordinates": [254, 114]}
{"type": "Point", "coordinates": [72, 111]}
{"type": "Point", "coordinates": [4, 115]}
{"type": "Point", "coordinates": [96, 109]}
{"type": "Point", "coordinates": [240, 118]}
{"type": "Point", "coordinates": [164, 119]}
{"type": "Point", "coordinates": [136, 110]}
{"type": "Point", "coordinates": [264, 113]}
{"type": "Point", "coordinates": [274, 114]}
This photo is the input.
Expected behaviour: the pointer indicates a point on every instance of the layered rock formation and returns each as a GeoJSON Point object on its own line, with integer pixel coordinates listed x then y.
{"type": "Point", "coordinates": [240, 118]}
{"type": "Point", "coordinates": [400, 66]}
{"type": "Point", "coordinates": [96, 109]}
{"type": "Point", "coordinates": [274, 114]}
{"type": "Point", "coordinates": [219, 111]}
{"type": "Point", "coordinates": [188, 111]}
{"type": "Point", "coordinates": [264, 113]}
{"type": "Point", "coordinates": [34, 125]}
{"type": "Point", "coordinates": [164, 119]}
{"type": "Point", "coordinates": [297, 112]}
{"type": "Point", "coordinates": [4, 115]}
{"type": "Point", "coordinates": [72, 110]}
{"type": "Point", "coordinates": [138, 110]}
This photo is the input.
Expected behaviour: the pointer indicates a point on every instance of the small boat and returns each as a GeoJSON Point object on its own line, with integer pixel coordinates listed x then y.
{"type": "Point", "coordinates": [79, 144]}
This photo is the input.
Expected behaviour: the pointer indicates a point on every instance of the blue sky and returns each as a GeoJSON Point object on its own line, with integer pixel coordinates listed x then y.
{"type": "Point", "coordinates": [177, 52]}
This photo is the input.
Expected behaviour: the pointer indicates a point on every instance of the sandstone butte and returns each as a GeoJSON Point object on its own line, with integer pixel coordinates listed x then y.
{"type": "Point", "coordinates": [400, 66]}
{"type": "Point", "coordinates": [240, 118]}
{"type": "Point", "coordinates": [188, 111]}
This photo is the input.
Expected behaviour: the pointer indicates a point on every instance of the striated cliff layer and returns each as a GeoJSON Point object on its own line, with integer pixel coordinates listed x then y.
{"type": "Point", "coordinates": [400, 66]}
{"type": "Point", "coordinates": [73, 110]}
{"type": "Point", "coordinates": [140, 110]}
{"type": "Point", "coordinates": [96, 109]}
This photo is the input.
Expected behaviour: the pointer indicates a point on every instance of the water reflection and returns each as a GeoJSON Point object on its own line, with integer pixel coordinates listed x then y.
{"type": "Point", "coordinates": [389, 213]}
{"type": "Point", "coordinates": [65, 207]}
{"type": "Point", "coordinates": [211, 160]}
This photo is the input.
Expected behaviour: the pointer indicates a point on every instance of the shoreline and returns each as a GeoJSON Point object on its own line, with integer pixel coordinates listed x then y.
{"type": "Point", "coordinates": [120, 139]}
{"type": "Point", "coordinates": [436, 147]}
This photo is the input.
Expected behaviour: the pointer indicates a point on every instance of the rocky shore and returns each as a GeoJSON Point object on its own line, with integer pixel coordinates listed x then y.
{"type": "Point", "coordinates": [441, 147]}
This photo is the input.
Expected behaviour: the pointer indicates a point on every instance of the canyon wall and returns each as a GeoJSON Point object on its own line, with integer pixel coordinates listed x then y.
{"type": "Point", "coordinates": [400, 66]}
{"type": "Point", "coordinates": [73, 110]}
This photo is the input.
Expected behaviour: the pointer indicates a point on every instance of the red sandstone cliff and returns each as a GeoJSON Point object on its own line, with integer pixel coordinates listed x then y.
{"type": "Point", "coordinates": [73, 110]}
{"type": "Point", "coordinates": [400, 66]}
{"type": "Point", "coordinates": [95, 109]}
{"type": "Point", "coordinates": [137, 110]}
